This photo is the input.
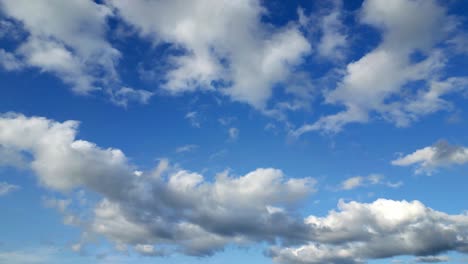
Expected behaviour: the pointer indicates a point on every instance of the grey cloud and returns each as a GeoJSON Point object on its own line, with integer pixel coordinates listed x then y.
{"type": "Point", "coordinates": [432, 259]}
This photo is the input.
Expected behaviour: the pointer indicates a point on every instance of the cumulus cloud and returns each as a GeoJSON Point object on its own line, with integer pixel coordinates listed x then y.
{"type": "Point", "coordinates": [6, 188]}
{"type": "Point", "coordinates": [387, 81]}
{"type": "Point", "coordinates": [164, 206]}
{"type": "Point", "coordinates": [428, 159]}
{"type": "Point", "coordinates": [385, 228]}
{"type": "Point", "coordinates": [58, 44]}
{"type": "Point", "coordinates": [169, 209]}
{"type": "Point", "coordinates": [67, 39]}
{"type": "Point", "coordinates": [223, 43]}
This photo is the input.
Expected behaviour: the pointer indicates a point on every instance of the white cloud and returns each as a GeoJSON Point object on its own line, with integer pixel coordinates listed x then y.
{"type": "Point", "coordinates": [148, 250]}
{"type": "Point", "coordinates": [194, 118]}
{"type": "Point", "coordinates": [186, 148]}
{"type": "Point", "coordinates": [377, 83]}
{"type": "Point", "coordinates": [385, 228]}
{"type": "Point", "coordinates": [9, 62]}
{"type": "Point", "coordinates": [372, 179]}
{"type": "Point", "coordinates": [58, 44]}
{"type": "Point", "coordinates": [6, 188]}
{"type": "Point", "coordinates": [168, 205]}
{"type": "Point", "coordinates": [333, 39]}
{"type": "Point", "coordinates": [68, 40]}
{"type": "Point", "coordinates": [224, 42]}
{"type": "Point", "coordinates": [11, 157]}
{"type": "Point", "coordinates": [352, 183]}
{"type": "Point", "coordinates": [428, 159]}
{"type": "Point", "coordinates": [233, 133]}
{"type": "Point", "coordinates": [124, 95]}
{"type": "Point", "coordinates": [173, 207]}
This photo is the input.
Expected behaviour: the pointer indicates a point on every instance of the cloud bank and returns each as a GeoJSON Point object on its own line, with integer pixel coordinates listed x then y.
{"type": "Point", "coordinates": [169, 209]}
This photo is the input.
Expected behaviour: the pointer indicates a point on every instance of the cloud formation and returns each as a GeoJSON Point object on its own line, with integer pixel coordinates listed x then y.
{"type": "Point", "coordinates": [385, 228]}
{"type": "Point", "coordinates": [382, 81]}
{"type": "Point", "coordinates": [223, 43]}
{"type": "Point", "coordinates": [6, 188]}
{"type": "Point", "coordinates": [166, 206]}
{"type": "Point", "coordinates": [232, 49]}
{"type": "Point", "coordinates": [428, 159]}
{"type": "Point", "coordinates": [169, 209]}
{"type": "Point", "coordinates": [372, 179]}
{"type": "Point", "coordinates": [68, 39]}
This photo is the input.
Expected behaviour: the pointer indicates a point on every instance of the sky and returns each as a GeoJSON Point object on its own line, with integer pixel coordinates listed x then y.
{"type": "Point", "coordinates": [247, 131]}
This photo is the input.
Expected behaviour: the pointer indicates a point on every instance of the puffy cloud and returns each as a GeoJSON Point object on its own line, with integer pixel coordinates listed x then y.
{"type": "Point", "coordinates": [68, 40]}
{"type": "Point", "coordinates": [58, 44]}
{"type": "Point", "coordinates": [382, 229]}
{"type": "Point", "coordinates": [388, 81]}
{"type": "Point", "coordinates": [441, 154]}
{"type": "Point", "coordinates": [166, 206]}
{"type": "Point", "coordinates": [223, 42]}
{"type": "Point", "coordinates": [6, 188]}
{"type": "Point", "coordinates": [170, 209]}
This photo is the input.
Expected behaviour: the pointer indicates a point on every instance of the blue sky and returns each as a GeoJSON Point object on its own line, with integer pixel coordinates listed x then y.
{"type": "Point", "coordinates": [292, 132]}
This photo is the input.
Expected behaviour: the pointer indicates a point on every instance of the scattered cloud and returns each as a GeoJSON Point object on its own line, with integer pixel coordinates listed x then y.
{"type": "Point", "coordinates": [372, 179]}
{"type": "Point", "coordinates": [428, 159]}
{"type": "Point", "coordinates": [194, 119]}
{"type": "Point", "coordinates": [232, 47]}
{"type": "Point", "coordinates": [124, 95]}
{"type": "Point", "coordinates": [57, 44]}
{"type": "Point", "coordinates": [170, 206]}
{"type": "Point", "coordinates": [378, 83]}
{"type": "Point", "coordinates": [6, 188]}
{"type": "Point", "coordinates": [233, 133]}
{"type": "Point", "coordinates": [333, 39]}
{"type": "Point", "coordinates": [186, 148]}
